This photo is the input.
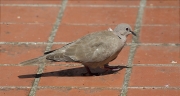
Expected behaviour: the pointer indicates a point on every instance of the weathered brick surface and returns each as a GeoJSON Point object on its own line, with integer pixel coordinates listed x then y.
{"type": "Point", "coordinates": [155, 63]}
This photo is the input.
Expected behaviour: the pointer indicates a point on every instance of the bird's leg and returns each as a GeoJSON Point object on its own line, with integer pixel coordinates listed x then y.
{"type": "Point", "coordinates": [89, 72]}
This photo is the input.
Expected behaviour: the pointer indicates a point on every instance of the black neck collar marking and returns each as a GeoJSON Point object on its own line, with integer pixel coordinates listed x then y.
{"type": "Point", "coordinates": [119, 37]}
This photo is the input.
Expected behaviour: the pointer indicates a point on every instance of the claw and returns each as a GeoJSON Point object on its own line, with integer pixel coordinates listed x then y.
{"type": "Point", "coordinates": [114, 68]}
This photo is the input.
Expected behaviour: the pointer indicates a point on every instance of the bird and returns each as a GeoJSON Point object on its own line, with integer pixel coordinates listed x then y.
{"type": "Point", "coordinates": [93, 50]}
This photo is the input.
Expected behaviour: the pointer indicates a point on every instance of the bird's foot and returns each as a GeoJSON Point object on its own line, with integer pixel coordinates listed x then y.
{"type": "Point", "coordinates": [112, 68]}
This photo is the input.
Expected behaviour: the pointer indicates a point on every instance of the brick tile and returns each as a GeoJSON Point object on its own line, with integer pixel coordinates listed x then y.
{"type": "Point", "coordinates": [99, 15]}
{"type": "Point", "coordinates": [159, 34]}
{"type": "Point", "coordinates": [14, 54]}
{"type": "Point", "coordinates": [10, 75]}
{"type": "Point", "coordinates": [162, 3]}
{"type": "Point", "coordinates": [161, 16]}
{"type": "Point", "coordinates": [29, 14]}
{"type": "Point", "coordinates": [71, 76]}
{"type": "Point", "coordinates": [14, 92]}
{"type": "Point", "coordinates": [155, 76]}
{"type": "Point", "coordinates": [153, 92]}
{"type": "Point", "coordinates": [25, 32]}
{"type": "Point", "coordinates": [104, 2]}
{"type": "Point", "coordinates": [156, 55]}
{"type": "Point", "coordinates": [69, 33]}
{"type": "Point", "coordinates": [77, 92]}
{"type": "Point", "coordinates": [30, 2]}
{"type": "Point", "coordinates": [57, 46]}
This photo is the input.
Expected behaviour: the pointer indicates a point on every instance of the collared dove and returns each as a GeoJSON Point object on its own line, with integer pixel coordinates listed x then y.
{"type": "Point", "coordinates": [93, 50]}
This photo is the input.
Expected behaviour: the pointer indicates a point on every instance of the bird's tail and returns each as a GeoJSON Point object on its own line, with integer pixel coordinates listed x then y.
{"type": "Point", "coordinates": [38, 60]}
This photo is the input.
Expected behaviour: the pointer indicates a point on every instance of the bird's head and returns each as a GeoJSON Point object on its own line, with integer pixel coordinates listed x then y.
{"type": "Point", "coordinates": [123, 30]}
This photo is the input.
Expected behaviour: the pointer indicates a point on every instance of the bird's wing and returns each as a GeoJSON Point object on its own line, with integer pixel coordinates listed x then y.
{"type": "Point", "coordinates": [94, 47]}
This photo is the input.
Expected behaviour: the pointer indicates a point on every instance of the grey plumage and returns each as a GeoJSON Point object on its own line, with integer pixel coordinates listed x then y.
{"type": "Point", "coordinates": [93, 50]}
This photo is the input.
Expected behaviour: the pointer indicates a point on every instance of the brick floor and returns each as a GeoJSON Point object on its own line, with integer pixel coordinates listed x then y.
{"type": "Point", "coordinates": [25, 32]}
{"type": "Point", "coordinates": [10, 75]}
{"type": "Point", "coordinates": [79, 92]}
{"type": "Point", "coordinates": [19, 14]}
{"type": "Point", "coordinates": [29, 28]}
{"type": "Point", "coordinates": [153, 92]}
{"type": "Point", "coordinates": [15, 92]}
{"type": "Point", "coordinates": [13, 54]}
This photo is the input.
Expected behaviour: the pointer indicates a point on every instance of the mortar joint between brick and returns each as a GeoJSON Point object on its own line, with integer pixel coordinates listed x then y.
{"type": "Point", "coordinates": [32, 5]}
{"type": "Point", "coordinates": [77, 87]}
{"type": "Point", "coordinates": [15, 87]}
{"type": "Point", "coordinates": [49, 45]}
{"type": "Point", "coordinates": [153, 87]}
{"type": "Point", "coordinates": [133, 47]}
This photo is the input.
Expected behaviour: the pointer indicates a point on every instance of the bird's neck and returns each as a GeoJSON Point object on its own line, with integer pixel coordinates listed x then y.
{"type": "Point", "coordinates": [123, 38]}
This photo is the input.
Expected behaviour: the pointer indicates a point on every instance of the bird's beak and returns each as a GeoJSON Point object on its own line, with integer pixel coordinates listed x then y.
{"type": "Point", "coordinates": [133, 33]}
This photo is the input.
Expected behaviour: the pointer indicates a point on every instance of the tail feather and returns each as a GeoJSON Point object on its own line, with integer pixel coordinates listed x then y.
{"type": "Point", "coordinates": [38, 60]}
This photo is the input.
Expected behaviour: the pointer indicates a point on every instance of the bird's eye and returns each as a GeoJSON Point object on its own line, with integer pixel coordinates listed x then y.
{"type": "Point", "coordinates": [127, 29]}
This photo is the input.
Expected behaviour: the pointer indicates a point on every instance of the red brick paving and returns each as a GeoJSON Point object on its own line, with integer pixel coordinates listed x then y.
{"type": "Point", "coordinates": [15, 92]}
{"type": "Point", "coordinates": [10, 75]}
{"type": "Point", "coordinates": [79, 92]}
{"type": "Point", "coordinates": [13, 54]}
{"type": "Point", "coordinates": [160, 34]}
{"type": "Point", "coordinates": [19, 14]}
{"type": "Point", "coordinates": [156, 54]}
{"type": "Point", "coordinates": [155, 70]}
{"type": "Point", "coordinates": [105, 2]}
{"type": "Point", "coordinates": [161, 16]}
{"type": "Point", "coordinates": [30, 2]}
{"type": "Point", "coordinates": [162, 3]}
{"type": "Point", "coordinates": [25, 32]}
{"type": "Point", "coordinates": [155, 76]}
{"type": "Point", "coordinates": [99, 15]}
{"type": "Point", "coordinates": [153, 92]}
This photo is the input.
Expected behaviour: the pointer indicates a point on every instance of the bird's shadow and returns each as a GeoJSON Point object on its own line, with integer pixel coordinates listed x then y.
{"type": "Point", "coordinates": [73, 72]}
